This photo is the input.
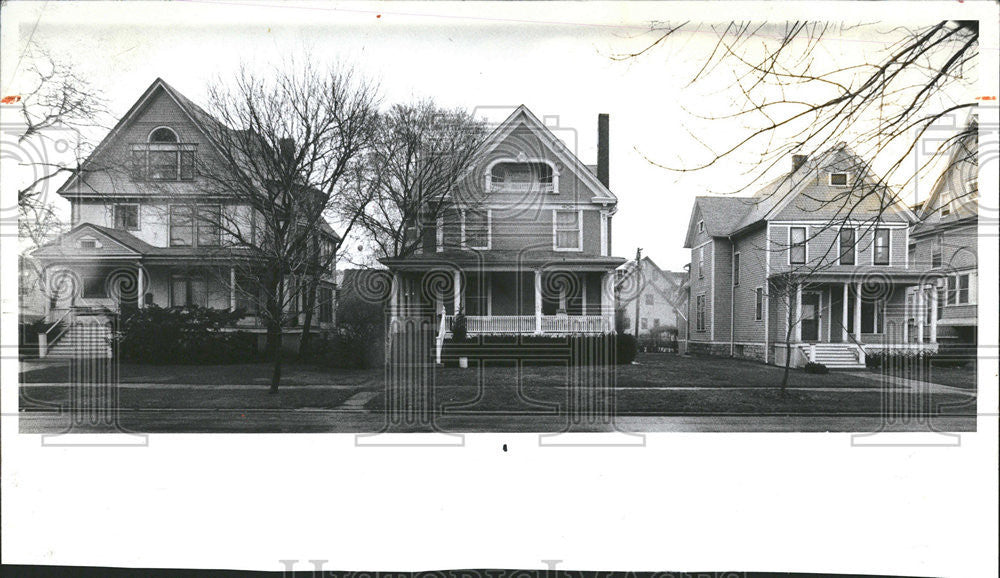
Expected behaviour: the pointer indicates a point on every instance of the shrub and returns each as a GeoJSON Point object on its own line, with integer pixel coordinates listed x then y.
{"type": "Point", "coordinates": [626, 348]}
{"type": "Point", "coordinates": [28, 337]}
{"type": "Point", "coordinates": [898, 358]}
{"type": "Point", "coordinates": [184, 335]}
{"type": "Point", "coordinates": [459, 327]}
{"type": "Point", "coordinates": [817, 368]}
{"type": "Point", "coordinates": [358, 341]}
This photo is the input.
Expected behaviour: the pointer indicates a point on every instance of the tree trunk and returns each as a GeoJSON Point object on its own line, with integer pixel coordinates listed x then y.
{"type": "Point", "coordinates": [310, 304]}
{"type": "Point", "coordinates": [276, 373]}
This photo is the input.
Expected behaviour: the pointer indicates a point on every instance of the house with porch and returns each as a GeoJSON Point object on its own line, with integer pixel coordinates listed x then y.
{"type": "Point", "coordinates": [814, 266]}
{"type": "Point", "coordinates": [524, 245]}
{"type": "Point", "coordinates": [944, 242]}
{"type": "Point", "coordinates": [145, 231]}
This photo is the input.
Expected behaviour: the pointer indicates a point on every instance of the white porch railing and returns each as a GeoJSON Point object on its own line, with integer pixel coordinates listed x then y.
{"type": "Point", "coordinates": [525, 324]}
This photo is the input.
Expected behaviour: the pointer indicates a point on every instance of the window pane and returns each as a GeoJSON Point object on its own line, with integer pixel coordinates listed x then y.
{"type": "Point", "coordinates": [798, 245]}
{"type": "Point", "coordinates": [163, 165]}
{"type": "Point", "coordinates": [163, 135]}
{"type": "Point", "coordinates": [181, 226]}
{"type": "Point", "coordinates": [208, 226]}
{"type": "Point", "coordinates": [567, 239]}
{"type": "Point", "coordinates": [127, 217]}
{"type": "Point", "coordinates": [93, 288]}
{"type": "Point", "coordinates": [567, 219]}
{"type": "Point", "coordinates": [951, 290]}
{"type": "Point", "coordinates": [838, 179]}
{"type": "Point", "coordinates": [138, 164]}
{"type": "Point", "coordinates": [187, 165]}
{"type": "Point", "coordinates": [963, 289]}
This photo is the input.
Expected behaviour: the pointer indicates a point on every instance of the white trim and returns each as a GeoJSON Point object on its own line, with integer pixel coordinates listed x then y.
{"type": "Point", "coordinates": [604, 233]}
{"type": "Point", "coordinates": [874, 250]}
{"type": "Point", "coordinates": [847, 179]}
{"type": "Point", "coordinates": [555, 237]}
{"type": "Point", "coordinates": [854, 246]}
{"type": "Point", "coordinates": [805, 244]}
{"type": "Point", "coordinates": [701, 226]}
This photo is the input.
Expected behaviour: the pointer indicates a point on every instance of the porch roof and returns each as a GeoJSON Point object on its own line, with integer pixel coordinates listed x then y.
{"type": "Point", "coordinates": [862, 276]}
{"type": "Point", "coordinates": [120, 245]}
{"type": "Point", "coordinates": [503, 260]}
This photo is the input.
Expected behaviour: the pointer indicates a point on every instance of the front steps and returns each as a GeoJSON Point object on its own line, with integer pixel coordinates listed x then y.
{"type": "Point", "coordinates": [835, 355]}
{"type": "Point", "coordinates": [90, 340]}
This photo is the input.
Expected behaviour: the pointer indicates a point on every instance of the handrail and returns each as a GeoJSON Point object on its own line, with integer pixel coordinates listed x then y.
{"type": "Point", "coordinates": [65, 328]}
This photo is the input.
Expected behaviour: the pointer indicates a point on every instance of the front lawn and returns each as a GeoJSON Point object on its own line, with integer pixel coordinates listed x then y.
{"type": "Point", "coordinates": [236, 374]}
{"type": "Point", "coordinates": [50, 398]}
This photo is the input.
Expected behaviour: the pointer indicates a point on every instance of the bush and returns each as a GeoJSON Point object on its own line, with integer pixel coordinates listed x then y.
{"type": "Point", "coordinates": [626, 348]}
{"type": "Point", "coordinates": [358, 341]}
{"type": "Point", "coordinates": [817, 368]}
{"type": "Point", "coordinates": [898, 358]}
{"type": "Point", "coordinates": [541, 349]}
{"type": "Point", "coordinates": [28, 337]}
{"type": "Point", "coordinates": [184, 335]}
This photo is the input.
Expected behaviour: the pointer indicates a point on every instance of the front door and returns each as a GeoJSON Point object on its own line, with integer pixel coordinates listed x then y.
{"type": "Point", "coordinates": [810, 316]}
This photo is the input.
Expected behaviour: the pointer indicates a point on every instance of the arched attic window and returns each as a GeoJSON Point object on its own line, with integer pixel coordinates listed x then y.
{"type": "Point", "coordinates": [522, 176]}
{"type": "Point", "coordinates": [163, 135]}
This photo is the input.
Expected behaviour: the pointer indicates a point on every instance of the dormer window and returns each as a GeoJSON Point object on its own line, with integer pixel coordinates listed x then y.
{"type": "Point", "coordinates": [838, 179]}
{"type": "Point", "coordinates": [163, 157]}
{"type": "Point", "coordinates": [522, 176]}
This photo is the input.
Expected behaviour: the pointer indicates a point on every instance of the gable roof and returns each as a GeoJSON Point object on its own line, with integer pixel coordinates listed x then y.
{"type": "Point", "coordinates": [57, 248]}
{"type": "Point", "coordinates": [727, 216]}
{"type": "Point", "coordinates": [963, 155]}
{"type": "Point", "coordinates": [522, 116]}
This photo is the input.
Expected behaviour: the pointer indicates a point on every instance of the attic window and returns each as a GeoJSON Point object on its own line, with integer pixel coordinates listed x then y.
{"type": "Point", "coordinates": [88, 243]}
{"type": "Point", "coordinates": [163, 135]}
{"type": "Point", "coordinates": [838, 179]}
{"type": "Point", "coordinates": [522, 176]}
{"type": "Point", "coordinates": [946, 209]}
{"type": "Point", "coordinates": [701, 226]}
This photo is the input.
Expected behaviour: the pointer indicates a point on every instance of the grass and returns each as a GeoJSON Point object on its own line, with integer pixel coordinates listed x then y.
{"type": "Point", "coordinates": [41, 398]}
{"type": "Point", "coordinates": [237, 374]}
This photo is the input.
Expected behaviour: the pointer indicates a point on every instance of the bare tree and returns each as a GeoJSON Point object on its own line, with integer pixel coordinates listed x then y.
{"type": "Point", "coordinates": [420, 153]}
{"type": "Point", "coordinates": [285, 148]}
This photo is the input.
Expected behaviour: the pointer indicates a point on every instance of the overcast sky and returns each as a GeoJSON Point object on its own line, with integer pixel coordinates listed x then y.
{"type": "Point", "coordinates": [554, 58]}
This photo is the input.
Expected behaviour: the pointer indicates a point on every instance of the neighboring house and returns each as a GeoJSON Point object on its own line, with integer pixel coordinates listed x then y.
{"type": "Point", "coordinates": [525, 244]}
{"type": "Point", "coordinates": [789, 250]}
{"type": "Point", "coordinates": [944, 242]}
{"type": "Point", "coordinates": [141, 232]}
{"type": "Point", "coordinates": [657, 292]}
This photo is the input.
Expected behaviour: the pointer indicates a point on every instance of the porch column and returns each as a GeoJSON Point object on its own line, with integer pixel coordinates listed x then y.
{"type": "Point", "coordinates": [906, 318]}
{"type": "Point", "coordinates": [843, 315]}
{"type": "Point", "coordinates": [232, 288]}
{"type": "Point", "coordinates": [394, 298]}
{"type": "Point", "coordinates": [458, 291]}
{"type": "Point", "coordinates": [607, 296]}
{"type": "Point", "coordinates": [857, 312]}
{"type": "Point", "coordinates": [934, 306]}
{"type": "Point", "coordinates": [140, 286]}
{"type": "Point", "coordinates": [798, 312]}
{"type": "Point", "coordinates": [921, 314]}
{"type": "Point", "coordinates": [538, 300]}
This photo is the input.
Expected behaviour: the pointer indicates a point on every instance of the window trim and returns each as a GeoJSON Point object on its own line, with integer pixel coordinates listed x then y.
{"type": "Point", "coordinates": [187, 278]}
{"type": "Point", "coordinates": [847, 179]}
{"type": "Point", "coordinates": [701, 262]}
{"type": "Point", "coordinates": [805, 244]}
{"type": "Point", "coordinates": [489, 232]}
{"type": "Point", "coordinates": [114, 216]}
{"type": "Point", "coordinates": [758, 312]}
{"type": "Point", "coordinates": [888, 243]}
{"type": "Point", "coordinates": [700, 312]}
{"type": "Point", "coordinates": [854, 246]}
{"type": "Point", "coordinates": [195, 228]}
{"type": "Point", "coordinates": [555, 230]}
{"type": "Point", "coordinates": [736, 268]}
{"type": "Point", "coordinates": [177, 138]}
{"type": "Point", "coordinates": [701, 226]}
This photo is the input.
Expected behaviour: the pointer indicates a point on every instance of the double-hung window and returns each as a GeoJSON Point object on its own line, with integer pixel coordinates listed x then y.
{"type": "Point", "coordinates": [567, 230]}
{"type": "Point", "coordinates": [960, 289]}
{"type": "Point", "coordinates": [936, 243]}
{"type": "Point", "coordinates": [126, 217]}
{"type": "Point", "coordinates": [700, 313]}
{"type": "Point", "coordinates": [847, 245]}
{"type": "Point", "coordinates": [759, 307]}
{"type": "Point", "coordinates": [882, 237]}
{"type": "Point", "coordinates": [736, 269]}
{"type": "Point", "coordinates": [163, 158]}
{"type": "Point", "coordinates": [701, 263]}
{"type": "Point", "coordinates": [797, 245]}
{"type": "Point", "coordinates": [188, 291]}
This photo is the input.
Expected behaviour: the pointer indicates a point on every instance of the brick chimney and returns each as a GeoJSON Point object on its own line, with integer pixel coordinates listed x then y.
{"type": "Point", "coordinates": [798, 161]}
{"type": "Point", "coordinates": [602, 149]}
